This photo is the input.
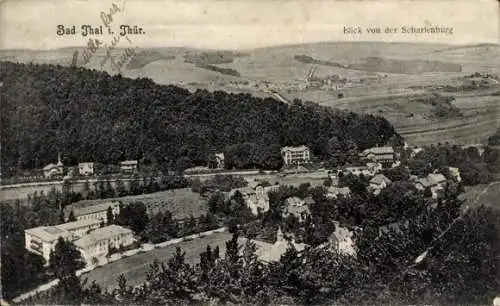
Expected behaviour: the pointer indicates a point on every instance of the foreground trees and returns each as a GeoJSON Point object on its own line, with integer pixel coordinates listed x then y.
{"type": "Point", "coordinates": [461, 266]}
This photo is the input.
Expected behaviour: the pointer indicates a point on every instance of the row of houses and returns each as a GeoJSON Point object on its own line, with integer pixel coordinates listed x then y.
{"type": "Point", "coordinates": [86, 168]}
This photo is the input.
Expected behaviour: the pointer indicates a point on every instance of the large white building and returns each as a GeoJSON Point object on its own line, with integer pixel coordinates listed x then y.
{"type": "Point", "coordinates": [295, 155]}
{"type": "Point", "coordinates": [42, 240]}
{"type": "Point", "coordinates": [93, 209]}
{"type": "Point", "coordinates": [383, 155]}
{"type": "Point", "coordinates": [96, 245]}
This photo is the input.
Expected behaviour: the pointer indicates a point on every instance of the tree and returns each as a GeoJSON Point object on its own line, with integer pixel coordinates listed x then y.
{"type": "Point", "coordinates": [120, 188]}
{"type": "Point", "coordinates": [110, 217]}
{"type": "Point", "coordinates": [427, 192]}
{"type": "Point", "coordinates": [71, 217]}
{"type": "Point", "coordinates": [86, 189]}
{"type": "Point", "coordinates": [65, 260]}
{"type": "Point", "coordinates": [327, 182]}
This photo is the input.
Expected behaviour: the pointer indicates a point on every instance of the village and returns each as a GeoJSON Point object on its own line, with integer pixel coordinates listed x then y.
{"type": "Point", "coordinates": [89, 228]}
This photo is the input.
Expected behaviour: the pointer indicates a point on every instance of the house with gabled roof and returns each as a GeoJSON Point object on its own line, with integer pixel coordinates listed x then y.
{"type": "Point", "coordinates": [379, 182]}
{"type": "Point", "coordinates": [434, 181]}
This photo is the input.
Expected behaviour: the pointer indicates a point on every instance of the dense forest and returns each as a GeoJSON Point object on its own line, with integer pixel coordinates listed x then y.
{"type": "Point", "coordinates": [89, 115]}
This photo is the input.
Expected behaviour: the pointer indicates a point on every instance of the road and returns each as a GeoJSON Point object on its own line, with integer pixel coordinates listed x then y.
{"type": "Point", "coordinates": [136, 267]}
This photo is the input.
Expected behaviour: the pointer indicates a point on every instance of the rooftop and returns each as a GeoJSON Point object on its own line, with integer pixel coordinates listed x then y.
{"type": "Point", "coordinates": [86, 163]}
{"type": "Point", "coordinates": [339, 190]}
{"type": "Point", "coordinates": [295, 149]}
{"type": "Point", "coordinates": [379, 179]}
{"type": "Point", "coordinates": [294, 201]}
{"type": "Point", "coordinates": [48, 233]}
{"type": "Point", "coordinates": [432, 180]}
{"type": "Point", "coordinates": [91, 206]}
{"type": "Point", "coordinates": [50, 166]}
{"type": "Point", "coordinates": [379, 150]}
{"type": "Point", "coordinates": [101, 234]}
{"type": "Point", "coordinates": [78, 224]}
{"type": "Point", "coordinates": [129, 162]}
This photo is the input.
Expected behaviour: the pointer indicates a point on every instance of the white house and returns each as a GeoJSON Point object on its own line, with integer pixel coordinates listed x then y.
{"type": "Point", "coordinates": [333, 192]}
{"type": "Point", "coordinates": [219, 159]}
{"type": "Point", "coordinates": [86, 168]}
{"type": "Point", "coordinates": [295, 155]}
{"type": "Point", "coordinates": [455, 173]}
{"type": "Point", "coordinates": [129, 166]}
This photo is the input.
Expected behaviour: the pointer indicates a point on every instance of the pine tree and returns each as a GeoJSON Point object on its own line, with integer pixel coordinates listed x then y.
{"type": "Point", "coordinates": [65, 260]}
{"type": "Point", "coordinates": [120, 188]}
{"type": "Point", "coordinates": [110, 218]}
{"type": "Point", "coordinates": [71, 217]}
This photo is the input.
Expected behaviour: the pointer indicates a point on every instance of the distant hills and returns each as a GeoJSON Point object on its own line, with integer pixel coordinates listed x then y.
{"type": "Point", "coordinates": [278, 62]}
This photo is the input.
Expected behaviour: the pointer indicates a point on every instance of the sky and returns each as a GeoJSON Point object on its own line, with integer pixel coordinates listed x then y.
{"type": "Point", "coordinates": [244, 24]}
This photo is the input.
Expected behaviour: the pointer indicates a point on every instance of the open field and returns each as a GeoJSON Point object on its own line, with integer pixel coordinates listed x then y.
{"type": "Point", "coordinates": [485, 194]}
{"type": "Point", "coordinates": [182, 203]}
{"type": "Point", "coordinates": [385, 94]}
{"type": "Point", "coordinates": [135, 267]}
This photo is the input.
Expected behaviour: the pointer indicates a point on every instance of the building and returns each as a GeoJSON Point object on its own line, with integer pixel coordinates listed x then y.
{"type": "Point", "coordinates": [54, 170]}
{"type": "Point", "coordinates": [93, 209]}
{"type": "Point", "coordinates": [295, 155]}
{"type": "Point", "coordinates": [379, 182]}
{"type": "Point", "coordinates": [395, 227]}
{"type": "Point", "coordinates": [86, 169]}
{"type": "Point", "coordinates": [373, 168]}
{"type": "Point", "coordinates": [129, 166]}
{"type": "Point", "coordinates": [219, 159]}
{"type": "Point", "coordinates": [297, 207]}
{"type": "Point", "coordinates": [342, 240]}
{"type": "Point", "coordinates": [80, 228]}
{"type": "Point", "coordinates": [383, 155]}
{"type": "Point", "coordinates": [256, 199]}
{"type": "Point", "coordinates": [96, 245]}
{"type": "Point", "coordinates": [333, 192]}
{"type": "Point", "coordinates": [357, 171]}
{"type": "Point", "coordinates": [271, 252]}
{"type": "Point", "coordinates": [42, 240]}
{"type": "Point", "coordinates": [434, 181]}
{"type": "Point", "coordinates": [455, 174]}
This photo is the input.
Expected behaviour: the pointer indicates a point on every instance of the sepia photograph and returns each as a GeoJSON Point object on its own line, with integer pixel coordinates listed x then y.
{"type": "Point", "coordinates": [233, 152]}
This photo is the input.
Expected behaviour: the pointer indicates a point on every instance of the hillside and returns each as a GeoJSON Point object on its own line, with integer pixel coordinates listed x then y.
{"type": "Point", "coordinates": [93, 116]}
{"type": "Point", "coordinates": [374, 88]}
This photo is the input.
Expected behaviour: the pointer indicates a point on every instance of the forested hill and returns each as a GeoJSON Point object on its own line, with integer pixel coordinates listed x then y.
{"type": "Point", "coordinates": [91, 116]}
